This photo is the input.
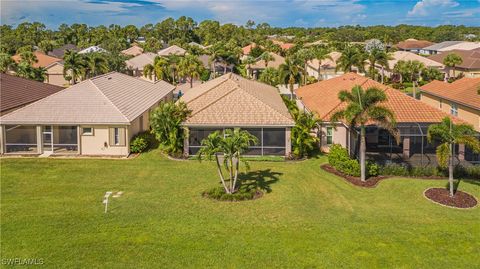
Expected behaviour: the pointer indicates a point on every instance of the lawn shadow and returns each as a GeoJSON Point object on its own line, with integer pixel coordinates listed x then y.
{"type": "Point", "coordinates": [261, 179]}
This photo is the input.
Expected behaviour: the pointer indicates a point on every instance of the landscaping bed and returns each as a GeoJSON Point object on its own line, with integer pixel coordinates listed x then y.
{"type": "Point", "coordinates": [242, 194]}
{"type": "Point", "coordinates": [442, 196]}
{"type": "Point", "coordinates": [369, 183]}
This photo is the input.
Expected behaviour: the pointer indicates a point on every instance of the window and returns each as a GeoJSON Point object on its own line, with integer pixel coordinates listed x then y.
{"type": "Point", "coordinates": [454, 109]}
{"type": "Point", "coordinates": [87, 131]}
{"type": "Point", "coordinates": [329, 135]}
{"type": "Point", "coordinates": [117, 136]}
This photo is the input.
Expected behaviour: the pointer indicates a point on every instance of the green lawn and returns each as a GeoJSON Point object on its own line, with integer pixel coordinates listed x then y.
{"type": "Point", "coordinates": [52, 209]}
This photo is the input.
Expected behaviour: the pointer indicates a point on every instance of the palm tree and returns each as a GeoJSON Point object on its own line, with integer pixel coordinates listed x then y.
{"type": "Point", "coordinates": [452, 60]}
{"type": "Point", "coordinates": [303, 142]}
{"type": "Point", "coordinates": [305, 55]}
{"type": "Point", "coordinates": [351, 57]}
{"type": "Point", "coordinates": [362, 107]}
{"type": "Point", "coordinates": [415, 69]}
{"type": "Point", "coordinates": [266, 57]}
{"type": "Point", "coordinates": [173, 61]}
{"type": "Point", "coordinates": [73, 66]}
{"type": "Point", "coordinates": [377, 56]}
{"type": "Point", "coordinates": [269, 76]}
{"type": "Point", "coordinates": [230, 145]}
{"type": "Point", "coordinates": [96, 64]}
{"type": "Point", "coordinates": [157, 70]}
{"type": "Point", "coordinates": [290, 73]}
{"type": "Point", "coordinates": [401, 68]}
{"type": "Point", "coordinates": [28, 57]}
{"type": "Point", "coordinates": [321, 55]}
{"type": "Point", "coordinates": [449, 134]}
{"type": "Point", "coordinates": [248, 63]}
{"type": "Point", "coordinates": [190, 66]}
{"type": "Point", "coordinates": [6, 62]}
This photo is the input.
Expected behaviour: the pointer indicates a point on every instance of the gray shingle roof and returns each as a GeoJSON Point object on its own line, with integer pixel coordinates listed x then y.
{"type": "Point", "coordinates": [113, 98]}
{"type": "Point", "coordinates": [442, 45]}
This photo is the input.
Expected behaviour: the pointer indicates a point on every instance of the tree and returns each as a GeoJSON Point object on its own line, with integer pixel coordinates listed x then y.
{"type": "Point", "coordinates": [73, 66]}
{"type": "Point", "coordinates": [303, 142]}
{"type": "Point", "coordinates": [380, 57]}
{"type": "Point", "coordinates": [190, 66]}
{"type": "Point", "coordinates": [449, 134]}
{"type": "Point", "coordinates": [432, 73]}
{"type": "Point", "coordinates": [95, 64]}
{"type": "Point", "coordinates": [248, 61]}
{"type": "Point", "coordinates": [230, 145]}
{"type": "Point", "coordinates": [304, 56]}
{"type": "Point", "coordinates": [321, 55]}
{"type": "Point", "coordinates": [290, 72]}
{"type": "Point", "coordinates": [452, 60]}
{"type": "Point", "coordinates": [266, 57]}
{"type": "Point", "coordinates": [172, 67]}
{"type": "Point", "coordinates": [159, 69]}
{"type": "Point", "coordinates": [362, 107]}
{"type": "Point", "coordinates": [269, 76]}
{"type": "Point", "coordinates": [351, 57]}
{"type": "Point", "coordinates": [6, 62]}
{"type": "Point", "coordinates": [165, 121]}
{"type": "Point", "coordinates": [46, 45]}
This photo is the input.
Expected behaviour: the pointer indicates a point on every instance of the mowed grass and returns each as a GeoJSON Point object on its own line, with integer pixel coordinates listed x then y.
{"type": "Point", "coordinates": [52, 209]}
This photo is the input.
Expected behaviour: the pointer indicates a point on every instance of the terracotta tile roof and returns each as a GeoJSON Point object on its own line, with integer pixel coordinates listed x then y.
{"type": "Point", "coordinates": [113, 98]}
{"type": "Point", "coordinates": [322, 98]}
{"type": "Point", "coordinates": [43, 59]}
{"type": "Point", "coordinates": [133, 51]}
{"type": "Point", "coordinates": [246, 50]}
{"type": "Point", "coordinates": [16, 92]}
{"type": "Point", "coordinates": [284, 46]}
{"type": "Point", "coordinates": [413, 44]}
{"type": "Point", "coordinates": [231, 100]}
{"type": "Point", "coordinates": [462, 91]}
{"type": "Point", "coordinates": [260, 64]}
{"type": "Point", "coordinates": [471, 58]}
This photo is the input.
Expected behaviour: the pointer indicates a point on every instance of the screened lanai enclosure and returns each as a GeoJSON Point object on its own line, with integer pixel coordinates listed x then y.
{"type": "Point", "coordinates": [31, 139]}
{"type": "Point", "coordinates": [271, 141]}
{"type": "Point", "coordinates": [412, 147]}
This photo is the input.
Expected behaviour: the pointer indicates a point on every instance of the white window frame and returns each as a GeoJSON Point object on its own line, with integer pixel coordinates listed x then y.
{"type": "Point", "coordinates": [326, 135]}
{"type": "Point", "coordinates": [116, 136]}
{"type": "Point", "coordinates": [453, 109]}
{"type": "Point", "coordinates": [87, 133]}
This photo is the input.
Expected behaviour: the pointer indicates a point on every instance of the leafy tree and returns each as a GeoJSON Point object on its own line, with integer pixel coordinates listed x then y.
{"type": "Point", "coordinates": [432, 73]}
{"type": "Point", "coordinates": [266, 57]}
{"type": "Point", "coordinates": [46, 45]}
{"type": "Point", "coordinates": [362, 107]}
{"type": "Point", "coordinates": [190, 66]}
{"type": "Point", "coordinates": [165, 121]}
{"type": "Point", "coordinates": [449, 134]}
{"type": "Point", "coordinates": [290, 72]}
{"type": "Point", "coordinates": [351, 57]}
{"type": "Point", "coordinates": [304, 56]}
{"type": "Point", "coordinates": [6, 62]}
{"type": "Point", "coordinates": [73, 66]}
{"type": "Point", "coordinates": [159, 69]}
{"type": "Point", "coordinates": [248, 61]}
{"type": "Point", "coordinates": [230, 146]}
{"type": "Point", "coordinates": [152, 45]}
{"type": "Point", "coordinates": [321, 54]}
{"type": "Point", "coordinates": [452, 60]}
{"type": "Point", "coordinates": [303, 142]}
{"type": "Point", "coordinates": [256, 51]}
{"type": "Point", "coordinates": [269, 76]}
{"type": "Point", "coordinates": [25, 70]}
{"type": "Point", "coordinates": [95, 64]}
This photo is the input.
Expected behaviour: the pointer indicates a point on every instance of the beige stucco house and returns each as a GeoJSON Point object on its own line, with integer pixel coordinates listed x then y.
{"type": "Point", "coordinates": [231, 101]}
{"type": "Point", "coordinates": [98, 116]}
{"type": "Point", "coordinates": [325, 69]}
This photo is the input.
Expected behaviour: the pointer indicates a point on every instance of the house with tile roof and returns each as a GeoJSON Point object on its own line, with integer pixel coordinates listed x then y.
{"type": "Point", "coordinates": [470, 66]}
{"type": "Point", "coordinates": [231, 101]}
{"type": "Point", "coordinates": [60, 51]}
{"type": "Point", "coordinates": [53, 66]}
{"type": "Point", "coordinates": [255, 69]}
{"type": "Point", "coordinates": [413, 45]}
{"type": "Point", "coordinates": [172, 50]}
{"type": "Point", "coordinates": [413, 118]}
{"type": "Point", "coordinates": [325, 69]}
{"type": "Point", "coordinates": [435, 48]}
{"type": "Point", "coordinates": [407, 56]}
{"type": "Point", "coordinates": [459, 98]}
{"type": "Point", "coordinates": [136, 64]}
{"type": "Point", "coordinates": [98, 116]}
{"type": "Point", "coordinates": [134, 50]}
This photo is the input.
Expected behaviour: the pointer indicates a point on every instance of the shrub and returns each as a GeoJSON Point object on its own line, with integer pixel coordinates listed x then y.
{"type": "Point", "coordinates": [242, 194]}
{"type": "Point", "coordinates": [394, 170]}
{"type": "Point", "coordinates": [372, 169]}
{"type": "Point", "coordinates": [337, 155]}
{"type": "Point", "coordinates": [350, 167]}
{"type": "Point", "coordinates": [141, 142]}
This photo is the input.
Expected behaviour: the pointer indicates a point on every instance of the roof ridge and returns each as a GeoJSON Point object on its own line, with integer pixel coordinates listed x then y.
{"type": "Point", "coordinates": [198, 96]}
{"type": "Point", "coordinates": [215, 101]}
{"type": "Point", "coordinates": [108, 99]}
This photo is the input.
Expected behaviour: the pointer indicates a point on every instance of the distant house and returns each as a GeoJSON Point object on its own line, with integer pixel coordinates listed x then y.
{"type": "Point", "coordinates": [412, 116]}
{"type": "Point", "coordinates": [98, 116]}
{"type": "Point", "coordinates": [255, 69]}
{"type": "Point", "coordinates": [435, 48]}
{"type": "Point", "coordinates": [327, 67]}
{"type": "Point", "coordinates": [172, 50]}
{"type": "Point", "coordinates": [17, 92]}
{"type": "Point", "coordinates": [283, 45]}
{"type": "Point", "coordinates": [92, 49]}
{"type": "Point", "coordinates": [460, 98]}
{"type": "Point", "coordinates": [53, 65]}
{"type": "Point", "coordinates": [195, 44]}
{"type": "Point", "coordinates": [408, 56]}
{"type": "Point", "coordinates": [141, 39]}
{"type": "Point", "coordinates": [43, 60]}
{"type": "Point", "coordinates": [133, 51]}
{"type": "Point", "coordinates": [60, 52]}
{"type": "Point", "coordinates": [248, 48]}
{"type": "Point", "coordinates": [470, 66]}
{"type": "Point", "coordinates": [461, 46]}
{"type": "Point", "coordinates": [231, 101]}
{"type": "Point", "coordinates": [136, 64]}
{"type": "Point", "coordinates": [413, 45]}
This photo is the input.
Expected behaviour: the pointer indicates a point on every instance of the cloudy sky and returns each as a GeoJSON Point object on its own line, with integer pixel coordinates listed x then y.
{"type": "Point", "coordinates": [306, 13]}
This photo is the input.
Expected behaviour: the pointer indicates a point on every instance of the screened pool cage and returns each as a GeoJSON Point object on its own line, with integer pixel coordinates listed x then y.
{"type": "Point", "coordinates": [412, 149]}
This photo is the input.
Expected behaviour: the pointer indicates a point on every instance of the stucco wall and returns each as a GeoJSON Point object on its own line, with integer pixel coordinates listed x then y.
{"type": "Point", "coordinates": [339, 137]}
{"type": "Point", "coordinates": [55, 76]}
{"type": "Point", "coordinates": [97, 144]}
{"type": "Point", "coordinates": [325, 73]}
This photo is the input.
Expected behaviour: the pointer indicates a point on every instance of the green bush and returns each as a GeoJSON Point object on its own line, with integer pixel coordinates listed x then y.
{"type": "Point", "coordinates": [242, 194]}
{"type": "Point", "coordinates": [141, 142]}
{"type": "Point", "coordinates": [337, 155]}
{"type": "Point", "coordinates": [394, 170]}
{"type": "Point", "coordinates": [350, 167]}
{"type": "Point", "coordinates": [372, 169]}
{"type": "Point", "coordinates": [471, 172]}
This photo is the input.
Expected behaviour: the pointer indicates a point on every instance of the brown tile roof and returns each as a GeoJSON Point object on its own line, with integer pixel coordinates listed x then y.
{"type": "Point", "coordinates": [322, 98]}
{"type": "Point", "coordinates": [174, 49]}
{"type": "Point", "coordinates": [231, 100]}
{"type": "Point", "coordinates": [413, 44]}
{"type": "Point", "coordinates": [133, 51]}
{"type": "Point", "coordinates": [60, 52]}
{"type": "Point", "coordinates": [16, 92]}
{"type": "Point", "coordinates": [471, 58]}
{"type": "Point", "coordinates": [462, 91]}
{"type": "Point", "coordinates": [43, 59]}
{"type": "Point", "coordinates": [277, 61]}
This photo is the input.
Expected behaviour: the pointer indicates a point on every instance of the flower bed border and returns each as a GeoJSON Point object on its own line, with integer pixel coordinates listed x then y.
{"type": "Point", "coordinates": [371, 182]}
{"type": "Point", "coordinates": [459, 201]}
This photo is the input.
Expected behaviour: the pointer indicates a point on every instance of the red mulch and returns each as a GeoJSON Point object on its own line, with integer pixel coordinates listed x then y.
{"type": "Point", "coordinates": [442, 196]}
{"type": "Point", "coordinates": [369, 183]}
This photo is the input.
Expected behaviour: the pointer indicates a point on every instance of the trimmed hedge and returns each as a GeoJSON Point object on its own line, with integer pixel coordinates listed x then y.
{"type": "Point", "coordinates": [340, 160]}
{"type": "Point", "coordinates": [472, 172]}
{"type": "Point", "coordinates": [141, 142]}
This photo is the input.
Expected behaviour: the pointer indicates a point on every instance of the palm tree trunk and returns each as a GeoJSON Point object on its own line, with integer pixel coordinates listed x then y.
{"type": "Point", "coordinates": [236, 161]}
{"type": "Point", "coordinates": [231, 174]}
{"type": "Point", "coordinates": [291, 89]}
{"type": "Point", "coordinates": [383, 74]}
{"type": "Point", "coordinates": [450, 171]}
{"type": "Point", "coordinates": [363, 149]}
{"type": "Point", "coordinates": [191, 82]}
{"type": "Point", "coordinates": [219, 168]}
{"type": "Point", "coordinates": [318, 71]}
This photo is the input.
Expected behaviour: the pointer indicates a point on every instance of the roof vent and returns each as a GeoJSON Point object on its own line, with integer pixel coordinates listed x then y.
{"type": "Point", "coordinates": [109, 78]}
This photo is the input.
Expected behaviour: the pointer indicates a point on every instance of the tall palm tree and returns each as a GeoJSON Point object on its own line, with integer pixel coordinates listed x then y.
{"type": "Point", "coordinates": [230, 145]}
{"type": "Point", "coordinates": [248, 63]}
{"type": "Point", "coordinates": [173, 61]}
{"type": "Point", "coordinates": [321, 55]}
{"type": "Point", "coordinates": [362, 107]}
{"type": "Point", "coordinates": [157, 70]}
{"type": "Point", "coordinates": [28, 56]}
{"type": "Point", "coordinates": [452, 60]}
{"type": "Point", "coordinates": [377, 57]}
{"type": "Point", "coordinates": [351, 57]}
{"type": "Point", "coordinates": [73, 66]}
{"type": "Point", "coordinates": [304, 56]}
{"type": "Point", "coordinates": [303, 142]}
{"type": "Point", "coordinates": [290, 72]}
{"type": "Point", "coordinates": [266, 57]}
{"type": "Point", "coordinates": [415, 69]}
{"type": "Point", "coordinates": [449, 134]}
{"type": "Point", "coordinates": [190, 66]}
{"type": "Point", "coordinates": [96, 64]}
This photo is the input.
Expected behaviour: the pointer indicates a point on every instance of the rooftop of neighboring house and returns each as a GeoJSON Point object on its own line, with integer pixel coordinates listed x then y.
{"type": "Point", "coordinates": [92, 49]}
{"type": "Point", "coordinates": [413, 44]}
{"type": "Point", "coordinates": [17, 92]}
{"type": "Point", "coordinates": [410, 56]}
{"type": "Point", "coordinates": [470, 58]}
{"type": "Point", "coordinates": [246, 50]}
{"type": "Point", "coordinates": [283, 45]}
{"type": "Point", "coordinates": [463, 91]}
{"type": "Point", "coordinates": [322, 98]}
{"type": "Point", "coordinates": [461, 46]}
{"type": "Point", "coordinates": [43, 60]}
{"type": "Point", "coordinates": [112, 98]}
{"type": "Point", "coordinates": [60, 52]}
{"type": "Point", "coordinates": [133, 51]}
{"type": "Point", "coordinates": [326, 63]}
{"type": "Point", "coordinates": [172, 50]}
{"type": "Point", "coordinates": [139, 61]}
{"type": "Point", "coordinates": [231, 100]}
{"type": "Point", "coordinates": [441, 45]}
{"type": "Point", "coordinates": [277, 61]}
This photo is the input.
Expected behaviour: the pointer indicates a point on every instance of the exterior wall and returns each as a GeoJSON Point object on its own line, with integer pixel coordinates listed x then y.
{"type": "Point", "coordinates": [467, 114]}
{"type": "Point", "coordinates": [55, 76]}
{"type": "Point", "coordinates": [325, 73]}
{"type": "Point", "coordinates": [469, 73]}
{"type": "Point", "coordinates": [97, 144]}
{"type": "Point", "coordinates": [340, 136]}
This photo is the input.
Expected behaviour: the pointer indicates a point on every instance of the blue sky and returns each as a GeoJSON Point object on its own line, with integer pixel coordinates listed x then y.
{"type": "Point", "coordinates": [306, 13]}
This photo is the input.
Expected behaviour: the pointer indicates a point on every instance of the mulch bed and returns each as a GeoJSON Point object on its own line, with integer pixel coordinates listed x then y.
{"type": "Point", "coordinates": [369, 183]}
{"type": "Point", "coordinates": [459, 200]}
{"type": "Point", "coordinates": [258, 194]}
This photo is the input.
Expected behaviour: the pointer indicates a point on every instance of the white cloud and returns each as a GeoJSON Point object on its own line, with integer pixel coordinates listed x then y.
{"type": "Point", "coordinates": [427, 7]}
